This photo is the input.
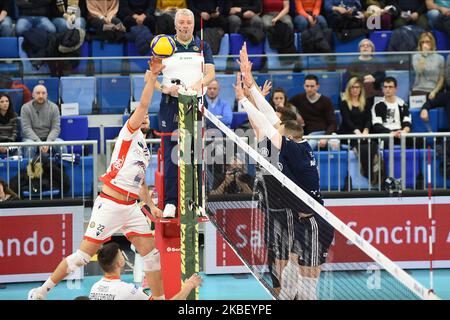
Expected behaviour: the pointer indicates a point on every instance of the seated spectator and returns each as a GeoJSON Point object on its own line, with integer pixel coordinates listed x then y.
{"type": "Point", "coordinates": [447, 73]}
{"type": "Point", "coordinates": [67, 14]}
{"type": "Point", "coordinates": [344, 14]}
{"type": "Point", "coordinates": [368, 69]}
{"type": "Point", "coordinates": [6, 82]}
{"type": "Point", "coordinates": [317, 111]}
{"type": "Point", "coordinates": [438, 12]}
{"type": "Point", "coordinates": [6, 194]}
{"type": "Point", "coordinates": [137, 13]}
{"type": "Point", "coordinates": [279, 99]}
{"type": "Point", "coordinates": [409, 12]}
{"type": "Point", "coordinates": [165, 15]}
{"type": "Point", "coordinates": [276, 10]}
{"type": "Point", "coordinates": [6, 25]}
{"type": "Point", "coordinates": [244, 13]}
{"type": "Point", "coordinates": [391, 114]}
{"type": "Point", "coordinates": [212, 12]}
{"type": "Point", "coordinates": [308, 15]}
{"type": "Point", "coordinates": [428, 67]}
{"type": "Point", "coordinates": [217, 106]}
{"type": "Point", "coordinates": [356, 119]}
{"type": "Point", "coordinates": [40, 122]}
{"type": "Point", "coordinates": [102, 16]}
{"type": "Point", "coordinates": [384, 13]}
{"type": "Point", "coordinates": [9, 124]}
{"type": "Point", "coordinates": [34, 14]}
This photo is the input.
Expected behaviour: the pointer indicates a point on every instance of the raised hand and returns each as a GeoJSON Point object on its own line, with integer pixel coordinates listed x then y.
{"type": "Point", "coordinates": [239, 91]}
{"type": "Point", "coordinates": [265, 90]}
{"type": "Point", "coordinates": [156, 66]}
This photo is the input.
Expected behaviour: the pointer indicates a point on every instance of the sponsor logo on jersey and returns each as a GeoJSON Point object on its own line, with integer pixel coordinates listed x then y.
{"type": "Point", "coordinates": [92, 225]}
{"type": "Point", "coordinates": [264, 152]}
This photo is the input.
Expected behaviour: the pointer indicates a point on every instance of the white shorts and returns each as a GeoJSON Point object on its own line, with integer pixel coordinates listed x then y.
{"type": "Point", "coordinates": [110, 216]}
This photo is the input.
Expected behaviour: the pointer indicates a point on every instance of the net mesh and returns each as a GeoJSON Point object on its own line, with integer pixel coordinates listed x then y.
{"type": "Point", "coordinates": [293, 245]}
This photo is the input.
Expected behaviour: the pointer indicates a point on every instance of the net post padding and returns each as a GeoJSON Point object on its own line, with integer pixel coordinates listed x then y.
{"type": "Point", "coordinates": [188, 107]}
{"type": "Point", "coordinates": [398, 273]}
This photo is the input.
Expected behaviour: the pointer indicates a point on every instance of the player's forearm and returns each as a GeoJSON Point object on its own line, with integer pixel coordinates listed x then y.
{"type": "Point", "coordinates": [210, 74]}
{"type": "Point", "coordinates": [183, 293]}
{"type": "Point", "coordinates": [144, 195]}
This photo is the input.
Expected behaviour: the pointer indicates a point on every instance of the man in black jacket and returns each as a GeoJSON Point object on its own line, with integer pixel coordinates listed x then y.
{"type": "Point", "coordinates": [410, 12]}
{"type": "Point", "coordinates": [33, 14]}
{"type": "Point", "coordinates": [244, 12]}
{"type": "Point", "coordinates": [212, 12]}
{"type": "Point", "coordinates": [138, 13]}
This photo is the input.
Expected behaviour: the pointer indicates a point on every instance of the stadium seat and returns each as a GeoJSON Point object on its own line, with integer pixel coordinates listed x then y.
{"type": "Point", "coordinates": [51, 83]}
{"type": "Point", "coordinates": [436, 168]}
{"type": "Point", "coordinates": [84, 66]}
{"type": "Point", "coordinates": [332, 169]}
{"type": "Point", "coordinates": [236, 42]}
{"type": "Point", "coordinates": [442, 40]}
{"type": "Point", "coordinates": [292, 83]}
{"type": "Point", "coordinates": [330, 84]}
{"type": "Point", "coordinates": [9, 47]}
{"type": "Point", "coordinates": [81, 90]}
{"type": "Point", "coordinates": [346, 46]}
{"type": "Point", "coordinates": [28, 68]}
{"type": "Point", "coordinates": [403, 83]}
{"type": "Point", "coordinates": [16, 96]}
{"type": "Point", "coordinates": [74, 128]}
{"type": "Point", "coordinates": [260, 78]}
{"type": "Point", "coordinates": [81, 171]}
{"type": "Point", "coordinates": [104, 49]}
{"type": "Point", "coordinates": [136, 65]}
{"type": "Point", "coordinates": [442, 119]}
{"type": "Point", "coordinates": [274, 62]}
{"type": "Point", "coordinates": [338, 116]}
{"type": "Point", "coordinates": [418, 125]}
{"type": "Point", "coordinates": [221, 63]}
{"type": "Point", "coordinates": [9, 168]}
{"type": "Point", "coordinates": [412, 165]}
{"type": "Point", "coordinates": [226, 91]}
{"type": "Point", "coordinates": [137, 85]}
{"type": "Point", "coordinates": [238, 119]}
{"type": "Point", "coordinates": [113, 94]}
{"type": "Point", "coordinates": [380, 39]}
{"type": "Point", "coordinates": [358, 181]}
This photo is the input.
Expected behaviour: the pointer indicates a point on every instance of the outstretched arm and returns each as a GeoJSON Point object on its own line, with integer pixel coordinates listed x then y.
{"type": "Point", "coordinates": [193, 282]}
{"type": "Point", "coordinates": [150, 79]}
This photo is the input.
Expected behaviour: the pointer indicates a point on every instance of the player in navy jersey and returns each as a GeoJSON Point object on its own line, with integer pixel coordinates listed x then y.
{"type": "Point", "coordinates": [183, 68]}
{"type": "Point", "coordinates": [312, 234]}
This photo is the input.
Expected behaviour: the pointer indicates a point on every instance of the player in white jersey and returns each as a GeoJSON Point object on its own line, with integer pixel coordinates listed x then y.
{"type": "Point", "coordinates": [116, 208]}
{"type": "Point", "coordinates": [111, 287]}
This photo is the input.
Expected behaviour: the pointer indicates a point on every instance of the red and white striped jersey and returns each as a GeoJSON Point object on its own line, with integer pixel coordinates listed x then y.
{"type": "Point", "coordinates": [129, 161]}
{"type": "Point", "coordinates": [112, 288]}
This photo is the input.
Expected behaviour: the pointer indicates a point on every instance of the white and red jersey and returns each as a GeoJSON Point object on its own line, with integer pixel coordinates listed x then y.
{"type": "Point", "coordinates": [129, 161]}
{"type": "Point", "coordinates": [112, 288]}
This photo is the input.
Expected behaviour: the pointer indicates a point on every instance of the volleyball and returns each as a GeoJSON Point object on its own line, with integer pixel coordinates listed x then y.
{"type": "Point", "coordinates": [162, 46]}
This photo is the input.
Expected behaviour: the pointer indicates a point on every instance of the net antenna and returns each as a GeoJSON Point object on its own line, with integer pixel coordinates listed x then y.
{"type": "Point", "coordinates": [415, 288]}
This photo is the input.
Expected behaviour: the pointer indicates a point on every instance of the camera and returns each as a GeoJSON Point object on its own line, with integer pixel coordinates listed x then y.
{"type": "Point", "coordinates": [393, 186]}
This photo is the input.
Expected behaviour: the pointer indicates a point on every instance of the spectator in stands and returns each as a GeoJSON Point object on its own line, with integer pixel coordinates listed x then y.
{"type": "Point", "coordinates": [217, 106]}
{"type": "Point", "coordinates": [369, 69]}
{"type": "Point", "coordinates": [40, 121]}
{"type": "Point", "coordinates": [138, 13]}
{"type": "Point", "coordinates": [212, 12]}
{"type": "Point", "coordinates": [380, 10]}
{"type": "Point", "coordinates": [447, 73]}
{"type": "Point", "coordinates": [234, 180]}
{"type": "Point", "coordinates": [34, 14]}
{"type": "Point", "coordinates": [391, 114]}
{"type": "Point", "coordinates": [279, 99]}
{"type": "Point", "coordinates": [6, 82]}
{"type": "Point", "coordinates": [438, 11]}
{"type": "Point", "coordinates": [6, 25]}
{"type": "Point", "coordinates": [428, 67]}
{"type": "Point", "coordinates": [308, 14]}
{"type": "Point", "coordinates": [68, 14]}
{"type": "Point", "coordinates": [344, 14]}
{"type": "Point", "coordinates": [9, 124]}
{"type": "Point", "coordinates": [102, 16]}
{"type": "Point", "coordinates": [165, 15]}
{"type": "Point", "coordinates": [276, 10]}
{"type": "Point", "coordinates": [356, 119]}
{"type": "Point", "coordinates": [6, 194]}
{"type": "Point", "coordinates": [317, 111]}
{"type": "Point", "coordinates": [410, 12]}
{"type": "Point", "coordinates": [244, 12]}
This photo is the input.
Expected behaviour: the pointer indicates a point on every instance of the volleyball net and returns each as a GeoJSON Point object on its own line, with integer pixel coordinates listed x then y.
{"type": "Point", "coordinates": [284, 236]}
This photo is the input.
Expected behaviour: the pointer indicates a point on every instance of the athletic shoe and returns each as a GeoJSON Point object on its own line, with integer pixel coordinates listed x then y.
{"type": "Point", "coordinates": [169, 211]}
{"type": "Point", "coordinates": [35, 294]}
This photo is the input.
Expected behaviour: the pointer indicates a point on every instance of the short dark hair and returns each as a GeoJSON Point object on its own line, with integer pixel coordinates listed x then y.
{"type": "Point", "coordinates": [293, 128]}
{"type": "Point", "coordinates": [107, 256]}
{"type": "Point", "coordinates": [286, 114]}
{"type": "Point", "coordinates": [312, 77]}
{"type": "Point", "coordinates": [390, 79]}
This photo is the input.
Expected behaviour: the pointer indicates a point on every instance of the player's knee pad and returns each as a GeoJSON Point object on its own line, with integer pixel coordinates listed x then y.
{"type": "Point", "coordinates": [76, 260]}
{"type": "Point", "coordinates": [152, 261]}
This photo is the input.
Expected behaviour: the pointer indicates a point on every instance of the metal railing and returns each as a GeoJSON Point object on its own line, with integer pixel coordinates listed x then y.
{"type": "Point", "coordinates": [20, 154]}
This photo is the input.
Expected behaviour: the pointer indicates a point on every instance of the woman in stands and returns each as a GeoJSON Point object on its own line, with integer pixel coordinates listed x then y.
{"type": "Point", "coordinates": [428, 67]}
{"type": "Point", "coordinates": [6, 194]}
{"type": "Point", "coordinates": [356, 119]}
{"type": "Point", "coordinates": [279, 99]}
{"type": "Point", "coordinates": [9, 124]}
